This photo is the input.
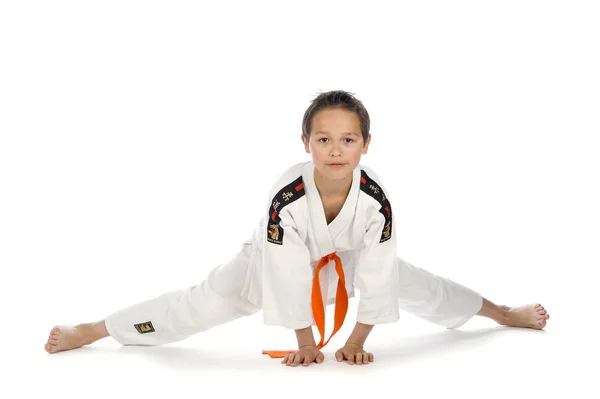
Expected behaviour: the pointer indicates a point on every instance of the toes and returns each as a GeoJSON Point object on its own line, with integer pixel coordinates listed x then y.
{"type": "Point", "coordinates": [542, 323]}
{"type": "Point", "coordinates": [543, 315]}
{"type": "Point", "coordinates": [50, 348]}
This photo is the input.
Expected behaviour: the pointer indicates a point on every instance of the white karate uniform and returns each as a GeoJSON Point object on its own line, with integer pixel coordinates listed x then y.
{"type": "Point", "coordinates": [273, 270]}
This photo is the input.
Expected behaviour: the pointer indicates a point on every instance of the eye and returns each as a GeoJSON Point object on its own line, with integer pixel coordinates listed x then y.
{"type": "Point", "coordinates": [324, 138]}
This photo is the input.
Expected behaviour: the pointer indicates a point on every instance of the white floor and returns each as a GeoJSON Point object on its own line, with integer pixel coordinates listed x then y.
{"type": "Point", "coordinates": [481, 359]}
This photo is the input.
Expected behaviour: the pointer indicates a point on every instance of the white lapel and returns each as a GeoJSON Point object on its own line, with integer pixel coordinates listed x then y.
{"type": "Point", "coordinates": [325, 234]}
{"type": "Point", "coordinates": [317, 213]}
{"type": "Point", "coordinates": [344, 218]}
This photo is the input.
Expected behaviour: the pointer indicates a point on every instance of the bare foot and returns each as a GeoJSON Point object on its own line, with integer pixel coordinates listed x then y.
{"type": "Point", "coordinates": [67, 337]}
{"type": "Point", "coordinates": [530, 316]}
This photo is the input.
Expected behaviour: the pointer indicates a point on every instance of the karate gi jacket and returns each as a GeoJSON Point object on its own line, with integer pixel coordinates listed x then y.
{"type": "Point", "coordinates": [293, 236]}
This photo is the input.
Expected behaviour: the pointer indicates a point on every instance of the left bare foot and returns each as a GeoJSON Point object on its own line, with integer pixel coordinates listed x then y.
{"type": "Point", "coordinates": [530, 316]}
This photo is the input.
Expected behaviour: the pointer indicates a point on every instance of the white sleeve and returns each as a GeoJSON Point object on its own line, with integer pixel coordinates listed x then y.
{"type": "Point", "coordinates": [376, 275]}
{"type": "Point", "coordinates": [287, 275]}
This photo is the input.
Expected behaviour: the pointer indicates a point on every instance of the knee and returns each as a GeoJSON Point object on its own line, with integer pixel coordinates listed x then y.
{"type": "Point", "coordinates": [227, 283]}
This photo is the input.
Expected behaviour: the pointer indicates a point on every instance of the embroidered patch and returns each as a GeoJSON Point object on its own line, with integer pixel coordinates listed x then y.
{"type": "Point", "coordinates": [285, 196]}
{"type": "Point", "coordinates": [144, 328]}
{"type": "Point", "coordinates": [371, 187]}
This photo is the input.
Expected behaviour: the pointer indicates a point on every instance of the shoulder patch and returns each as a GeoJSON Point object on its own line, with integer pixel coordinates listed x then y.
{"type": "Point", "coordinates": [285, 196]}
{"type": "Point", "coordinates": [371, 187]}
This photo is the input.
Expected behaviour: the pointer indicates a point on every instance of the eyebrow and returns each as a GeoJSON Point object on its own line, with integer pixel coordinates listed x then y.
{"type": "Point", "coordinates": [351, 133]}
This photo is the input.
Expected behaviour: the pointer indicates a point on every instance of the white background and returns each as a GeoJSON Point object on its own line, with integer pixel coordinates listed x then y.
{"type": "Point", "coordinates": [138, 141]}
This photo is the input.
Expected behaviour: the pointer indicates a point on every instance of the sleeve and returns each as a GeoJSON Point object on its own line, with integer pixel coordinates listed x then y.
{"type": "Point", "coordinates": [287, 275]}
{"type": "Point", "coordinates": [376, 275]}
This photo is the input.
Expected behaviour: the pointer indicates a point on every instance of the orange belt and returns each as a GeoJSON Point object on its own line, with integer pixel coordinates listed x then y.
{"type": "Point", "coordinates": [318, 308]}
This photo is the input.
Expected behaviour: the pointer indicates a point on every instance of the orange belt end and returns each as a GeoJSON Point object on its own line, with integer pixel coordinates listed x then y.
{"type": "Point", "coordinates": [277, 354]}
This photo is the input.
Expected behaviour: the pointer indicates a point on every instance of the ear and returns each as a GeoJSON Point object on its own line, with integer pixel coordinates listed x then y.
{"type": "Point", "coordinates": [366, 144]}
{"type": "Point", "coordinates": [305, 144]}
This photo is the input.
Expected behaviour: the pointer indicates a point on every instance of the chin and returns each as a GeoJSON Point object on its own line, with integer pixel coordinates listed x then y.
{"type": "Point", "coordinates": [336, 174]}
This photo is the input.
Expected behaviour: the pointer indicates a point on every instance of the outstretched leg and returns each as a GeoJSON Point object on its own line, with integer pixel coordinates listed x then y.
{"type": "Point", "coordinates": [530, 316]}
{"type": "Point", "coordinates": [170, 317]}
{"type": "Point", "coordinates": [449, 304]}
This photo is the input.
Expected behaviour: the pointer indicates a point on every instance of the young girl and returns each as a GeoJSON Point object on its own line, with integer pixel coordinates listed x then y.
{"type": "Point", "coordinates": [327, 230]}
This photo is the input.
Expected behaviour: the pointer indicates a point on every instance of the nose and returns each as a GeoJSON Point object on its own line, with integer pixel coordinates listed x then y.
{"type": "Point", "coordinates": [335, 152]}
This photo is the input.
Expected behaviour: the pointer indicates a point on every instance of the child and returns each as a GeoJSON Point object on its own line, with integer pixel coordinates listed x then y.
{"type": "Point", "coordinates": [328, 228]}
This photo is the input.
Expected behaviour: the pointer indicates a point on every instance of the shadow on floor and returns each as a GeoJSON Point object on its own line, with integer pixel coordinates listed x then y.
{"type": "Point", "coordinates": [408, 349]}
{"type": "Point", "coordinates": [397, 351]}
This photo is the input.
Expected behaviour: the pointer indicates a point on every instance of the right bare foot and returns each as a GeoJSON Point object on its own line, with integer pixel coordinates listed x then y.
{"type": "Point", "coordinates": [65, 337]}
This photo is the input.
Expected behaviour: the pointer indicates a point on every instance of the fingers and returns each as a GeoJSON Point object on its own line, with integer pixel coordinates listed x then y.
{"type": "Point", "coordinates": [292, 359]}
{"type": "Point", "coordinates": [320, 358]}
{"type": "Point", "coordinates": [304, 358]}
{"type": "Point", "coordinates": [361, 358]}
{"type": "Point", "coordinates": [288, 359]}
{"type": "Point", "coordinates": [297, 359]}
{"type": "Point", "coordinates": [307, 360]}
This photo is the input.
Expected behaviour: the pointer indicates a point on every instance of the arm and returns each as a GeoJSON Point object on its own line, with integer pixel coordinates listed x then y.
{"type": "Point", "coordinates": [287, 284]}
{"type": "Point", "coordinates": [359, 334]}
{"type": "Point", "coordinates": [305, 337]}
{"type": "Point", "coordinates": [353, 349]}
{"type": "Point", "coordinates": [286, 276]}
{"type": "Point", "coordinates": [307, 350]}
{"type": "Point", "coordinates": [376, 275]}
{"type": "Point", "coordinates": [376, 278]}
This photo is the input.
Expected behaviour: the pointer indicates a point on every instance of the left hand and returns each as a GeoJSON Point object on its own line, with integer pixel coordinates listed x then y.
{"type": "Point", "coordinates": [354, 353]}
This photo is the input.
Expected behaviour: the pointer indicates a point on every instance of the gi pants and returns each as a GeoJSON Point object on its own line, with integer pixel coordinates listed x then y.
{"type": "Point", "coordinates": [176, 315]}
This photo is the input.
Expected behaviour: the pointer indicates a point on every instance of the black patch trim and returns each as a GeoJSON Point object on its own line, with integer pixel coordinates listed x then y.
{"type": "Point", "coordinates": [144, 328]}
{"type": "Point", "coordinates": [285, 196]}
{"type": "Point", "coordinates": [373, 189]}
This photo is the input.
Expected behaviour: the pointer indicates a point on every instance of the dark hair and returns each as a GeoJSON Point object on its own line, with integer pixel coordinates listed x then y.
{"type": "Point", "coordinates": [337, 99]}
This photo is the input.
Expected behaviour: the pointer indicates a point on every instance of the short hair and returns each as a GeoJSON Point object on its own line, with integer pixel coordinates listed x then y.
{"type": "Point", "coordinates": [336, 99]}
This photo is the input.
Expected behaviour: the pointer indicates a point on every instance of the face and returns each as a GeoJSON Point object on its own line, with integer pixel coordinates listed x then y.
{"type": "Point", "coordinates": [336, 138]}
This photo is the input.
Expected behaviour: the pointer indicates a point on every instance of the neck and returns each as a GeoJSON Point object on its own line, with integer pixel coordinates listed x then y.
{"type": "Point", "coordinates": [332, 188]}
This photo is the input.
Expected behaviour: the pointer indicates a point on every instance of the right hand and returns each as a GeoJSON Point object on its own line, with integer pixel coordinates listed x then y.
{"type": "Point", "coordinates": [304, 355]}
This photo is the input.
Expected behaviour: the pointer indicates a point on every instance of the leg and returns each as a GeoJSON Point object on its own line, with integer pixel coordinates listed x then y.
{"type": "Point", "coordinates": [444, 302]}
{"type": "Point", "coordinates": [173, 316]}
{"type": "Point", "coordinates": [531, 316]}
{"type": "Point", "coordinates": [436, 299]}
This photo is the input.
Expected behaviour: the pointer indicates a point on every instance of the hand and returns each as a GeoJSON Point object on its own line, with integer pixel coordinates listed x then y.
{"type": "Point", "coordinates": [304, 355]}
{"type": "Point", "coordinates": [354, 353]}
